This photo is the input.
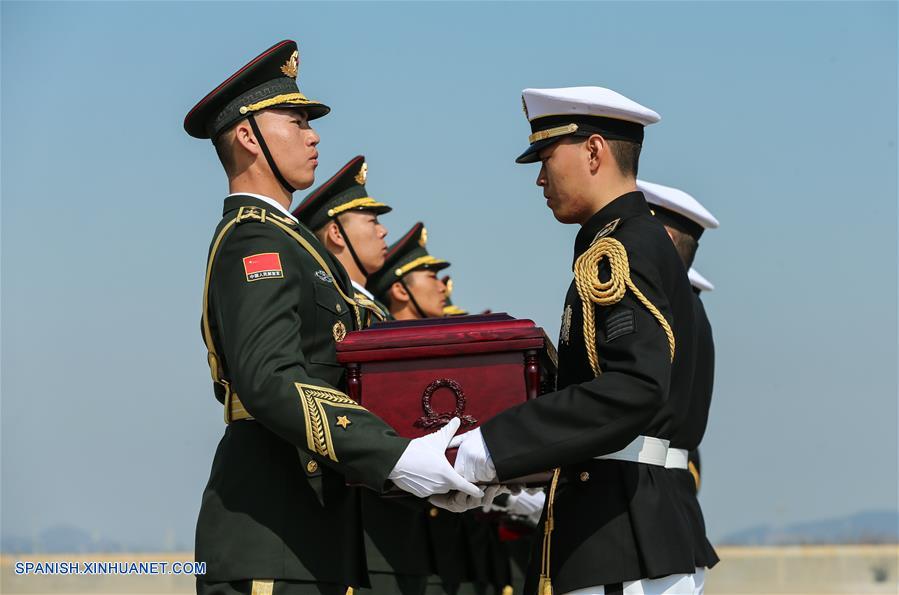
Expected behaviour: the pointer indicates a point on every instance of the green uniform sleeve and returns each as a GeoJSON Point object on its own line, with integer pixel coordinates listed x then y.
{"type": "Point", "coordinates": [259, 318]}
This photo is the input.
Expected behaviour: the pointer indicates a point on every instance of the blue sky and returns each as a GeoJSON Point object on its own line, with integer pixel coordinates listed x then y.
{"type": "Point", "coordinates": [780, 118]}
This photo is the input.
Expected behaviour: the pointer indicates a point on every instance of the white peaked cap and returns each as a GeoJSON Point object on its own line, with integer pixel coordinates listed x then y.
{"type": "Point", "coordinates": [581, 111]}
{"type": "Point", "coordinates": [698, 281]}
{"type": "Point", "coordinates": [678, 202]}
{"type": "Point", "coordinates": [585, 101]}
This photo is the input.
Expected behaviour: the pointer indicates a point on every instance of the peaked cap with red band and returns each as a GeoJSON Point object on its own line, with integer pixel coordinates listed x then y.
{"type": "Point", "coordinates": [344, 191]}
{"type": "Point", "coordinates": [267, 81]}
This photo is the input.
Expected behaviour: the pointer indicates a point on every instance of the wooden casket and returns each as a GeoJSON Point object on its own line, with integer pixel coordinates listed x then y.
{"type": "Point", "coordinates": [417, 375]}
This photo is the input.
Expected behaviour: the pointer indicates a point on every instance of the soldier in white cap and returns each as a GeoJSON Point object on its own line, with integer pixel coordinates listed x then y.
{"type": "Point", "coordinates": [685, 220]}
{"type": "Point", "coordinates": [611, 523]}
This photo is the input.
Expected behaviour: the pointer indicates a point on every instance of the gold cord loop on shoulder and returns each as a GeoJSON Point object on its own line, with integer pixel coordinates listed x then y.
{"type": "Point", "coordinates": [593, 290]}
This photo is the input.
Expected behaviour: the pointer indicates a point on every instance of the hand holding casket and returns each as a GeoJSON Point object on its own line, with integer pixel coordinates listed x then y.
{"type": "Point", "coordinates": [422, 469]}
{"type": "Point", "coordinates": [418, 375]}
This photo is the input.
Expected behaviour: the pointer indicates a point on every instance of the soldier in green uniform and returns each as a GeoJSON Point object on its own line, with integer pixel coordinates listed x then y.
{"type": "Point", "coordinates": [345, 219]}
{"type": "Point", "coordinates": [465, 552]}
{"type": "Point", "coordinates": [277, 516]}
{"type": "Point", "coordinates": [408, 283]}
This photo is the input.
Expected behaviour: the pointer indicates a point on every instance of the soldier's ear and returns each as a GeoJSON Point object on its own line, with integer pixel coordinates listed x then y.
{"type": "Point", "coordinates": [334, 235]}
{"type": "Point", "coordinates": [596, 149]}
{"type": "Point", "coordinates": [398, 293]}
{"type": "Point", "coordinates": [245, 140]}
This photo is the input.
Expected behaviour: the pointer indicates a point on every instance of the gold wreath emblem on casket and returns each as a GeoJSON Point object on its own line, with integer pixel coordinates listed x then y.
{"type": "Point", "coordinates": [430, 419]}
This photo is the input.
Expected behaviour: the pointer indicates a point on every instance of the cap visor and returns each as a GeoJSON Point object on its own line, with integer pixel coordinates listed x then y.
{"type": "Point", "coordinates": [437, 266]}
{"type": "Point", "coordinates": [531, 155]}
{"type": "Point", "coordinates": [313, 110]}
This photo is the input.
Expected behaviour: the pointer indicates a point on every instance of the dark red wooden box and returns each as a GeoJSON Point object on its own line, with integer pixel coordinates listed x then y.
{"type": "Point", "coordinates": [417, 375]}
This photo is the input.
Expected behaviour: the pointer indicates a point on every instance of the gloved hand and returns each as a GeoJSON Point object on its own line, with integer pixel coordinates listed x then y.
{"type": "Point", "coordinates": [460, 502]}
{"type": "Point", "coordinates": [423, 469]}
{"type": "Point", "coordinates": [473, 461]}
{"type": "Point", "coordinates": [525, 504]}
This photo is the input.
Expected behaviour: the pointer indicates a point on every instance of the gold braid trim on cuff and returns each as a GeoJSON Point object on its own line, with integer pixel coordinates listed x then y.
{"type": "Point", "coordinates": [608, 293]}
{"type": "Point", "coordinates": [318, 429]}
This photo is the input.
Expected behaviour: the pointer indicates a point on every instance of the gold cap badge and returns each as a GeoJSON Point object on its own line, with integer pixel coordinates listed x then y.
{"type": "Point", "coordinates": [292, 66]}
{"type": "Point", "coordinates": [423, 238]}
{"type": "Point", "coordinates": [362, 175]}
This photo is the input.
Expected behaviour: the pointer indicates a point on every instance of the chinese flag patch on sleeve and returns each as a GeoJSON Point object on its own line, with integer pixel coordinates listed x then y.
{"type": "Point", "coordinates": [263, 266]}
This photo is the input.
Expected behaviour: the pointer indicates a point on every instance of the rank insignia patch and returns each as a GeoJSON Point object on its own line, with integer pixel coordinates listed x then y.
{"type": "Point", "coordinates": [607, 230]}
{"type": "Point", "coordinates": [263, 266]}
{"type": "Point", "coordinates": [620, 323]}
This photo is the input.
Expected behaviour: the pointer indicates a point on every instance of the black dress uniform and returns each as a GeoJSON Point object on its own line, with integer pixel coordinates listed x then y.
{"type": "Point", "coordinates": [615, 521]}
{"type": "Point", "coordinates": [683, 214]}
{"type": "Point", "coordinates": [690, 434]}
{"type": "Point", "coordinates": [276, 513]}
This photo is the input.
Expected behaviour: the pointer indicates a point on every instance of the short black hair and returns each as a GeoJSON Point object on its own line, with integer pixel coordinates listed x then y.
{"type": "Point", "coordinates": [685, 244]}
{"type": "Point", "coordinates": [627, 155]}
{"type": "Point", "coordinates": [224, 148]}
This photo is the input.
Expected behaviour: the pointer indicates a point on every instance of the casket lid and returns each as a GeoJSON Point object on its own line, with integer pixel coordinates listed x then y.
{"type": "Point", "coordinates": [432, 337]}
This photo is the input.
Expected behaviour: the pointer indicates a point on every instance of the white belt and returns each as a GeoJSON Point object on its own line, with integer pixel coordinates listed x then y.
{"type": "Point", "coordinates": [678, 458]}
{"type": "Point", "coordinates": [644, 449]}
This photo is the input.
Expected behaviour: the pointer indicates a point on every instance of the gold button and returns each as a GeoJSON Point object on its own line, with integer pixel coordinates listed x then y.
{"type": "Point", "coordinates": [244, 109]}
{"type": "Point", "coordinates": [311, 466]}
{"type": "Point", "coordinates": [338, 308]}
{"type": "Point", "coordinates": [433, 512]}
{"type": "Point", "coordinates": [585, 476]}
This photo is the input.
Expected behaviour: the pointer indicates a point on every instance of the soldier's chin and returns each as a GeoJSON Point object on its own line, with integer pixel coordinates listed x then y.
{"type": "Point", "coordinates": [563, 216]}
{"type": "Point", "coordinates": [303, 182]}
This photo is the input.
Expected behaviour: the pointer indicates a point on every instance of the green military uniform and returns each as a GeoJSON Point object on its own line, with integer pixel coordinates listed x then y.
{"type": "Point", "coordinates": [466, 555]}
{"type": "Point", "coordinates": [276, 515]}
{"type": "Point", "coordinates": [395, 532]}
{"type": "Point", "coordinates": [404, 256]}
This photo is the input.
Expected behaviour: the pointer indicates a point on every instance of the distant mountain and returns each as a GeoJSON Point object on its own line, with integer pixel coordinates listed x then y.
{"type": "Point", "coordinates": [68, 539]}
{"type": "Point", "coordinates": [877, 526]}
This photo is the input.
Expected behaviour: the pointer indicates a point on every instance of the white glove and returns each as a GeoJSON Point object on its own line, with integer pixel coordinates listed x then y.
{"type": "Point", "coordinates": [473, 461]}
{"type": "Point", "coordinates": [460, 502]}
{"type": "Point", "coordinates": [424, 470]}
{"type": "Point", "coordinates": [525, 504]}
